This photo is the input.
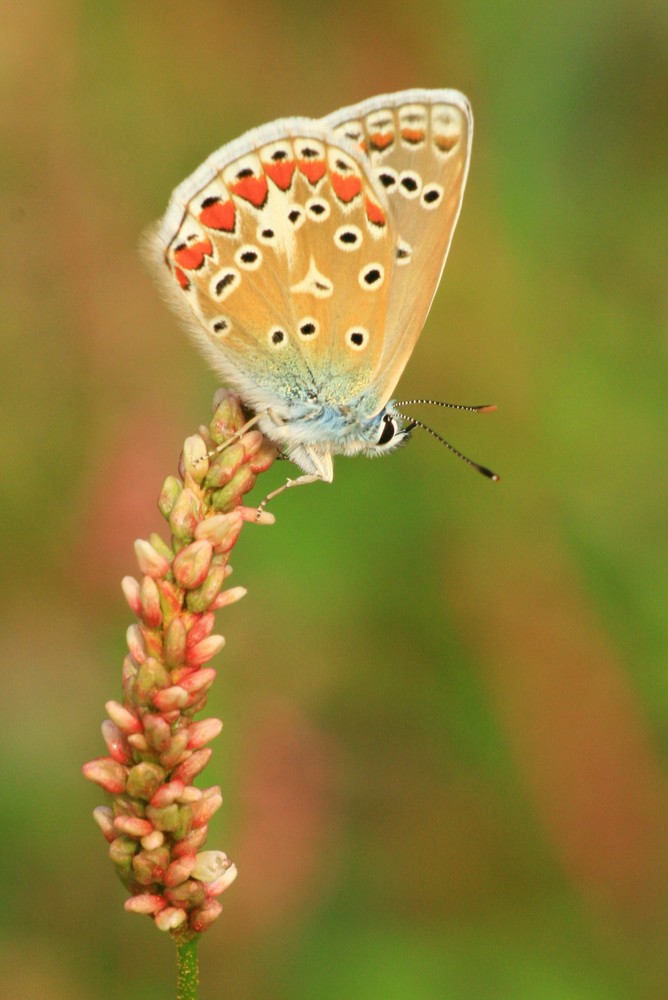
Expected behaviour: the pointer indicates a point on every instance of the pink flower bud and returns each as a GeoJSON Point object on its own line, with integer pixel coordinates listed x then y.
{"type": "Point", "coordinates": [172, 596]}
{"type": "Point", "coordinates": [252, 441]}
{"type": "Point", "coordinates": [150, 866]}
{"type": "Point", "coordinates": [200, 679]}
{"type": "Point", "coordinates": [221, 530]}
{"type": "Point", "coordinates": [138, 743]}
{"type": "Point", "coordinates": [147, 903]}
{"type": "Point", "coordinates": [158, 732]}
{"type": "Point", "coordinates": [254, 516]}
{"type": "Point", "coordinates": [116, 743]}
{"type": "Point", "coordinates": [189, 894]}
{"type": "Point", "coordinates": [130, 588]}
{"type": "Point", "coordinates": [151, 611]}
{"type": "Point", "coordinates": [104, 818]}
{"type": "Point", "coordinates": [202, 732]}
{"type": "Point", "coordinates": [161, 546]}
{"type": "Point", "coordinates": [191, 767]}
{"type": "Point", "coordinates": [108, 773]}
{"type": "Point", "coordinates": [170, 919]}
{"type": "Point", "coordinates": [121, 853]}
{"type": "Point", "coordinates": [242, 482]}
{"type": "Point", "coordinates": [152, 639]}
{"type": "Point", "coordinates": [191, 565]}
{"type": "Point", "coordinates": [180, 870]}
{"type": "Point", "coordinates": [136, 644]}
{"type": "Point", "coordinates": [151, 675]}
{"type": "Point", "coordinates": [224, 465]}
{"type": "Point", "coordinates": [200, 599]}
{"type": "Point", "coordinates": [168, 793]}
{"type": "Point", "coordinates": [226, 597]}
{"type": "Point", "coordinates": [228, 417]}
{"type": "Point", "coordinates": [190, 793]}
{"type": "Point", "coordinates": [264, 458]}
{"type": "Point", "coordinates": [184, 516]}
{"type": "Point", "coordinates": [126, 721]}
{"type": "Point", "coordinates": [175, 643]}
{"type": "Point", "coordinates": [205, 650]}
{"type": "Point", "coordinates": [168, 698]}
{"type": "Point", "coordinates": [201, 628]}
{"type": "Point", "coordinates": [191, 843]}
{"type": "Point", "coordinates": [150, 561]}
{"type": "Point", "coordinates": [203, 810]}
{"type": "Point", "coordinates": [171, 488]}
{"type": "Point", "coordinates": [133, 826]}
{"type": "Point", "coordinates": [173, 754]}
{"type": "Point", "coordinates": [144, 779]}
{"type": "Point", "coordinates": [166, 818]}
{"type": "Point", "coordinates": [202, 918]}
{"type": "Point", "coordinates": [153, 840]}
{"type": "Point", "coordinates": [195, 458]}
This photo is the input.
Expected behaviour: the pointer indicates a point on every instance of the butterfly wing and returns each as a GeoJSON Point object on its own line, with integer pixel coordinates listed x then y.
{"type": "Point", "coordinates": [418, 143]}
{"type": "Point", "coordinates": [278, 254]}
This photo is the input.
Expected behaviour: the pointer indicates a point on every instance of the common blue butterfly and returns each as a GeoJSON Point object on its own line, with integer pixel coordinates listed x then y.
{"type": "Point", "coordinates": [304, 257]}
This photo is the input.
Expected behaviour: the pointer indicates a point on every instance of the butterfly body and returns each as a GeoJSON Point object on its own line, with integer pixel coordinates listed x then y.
{"type": "Point", "coordinates": [304, 257]}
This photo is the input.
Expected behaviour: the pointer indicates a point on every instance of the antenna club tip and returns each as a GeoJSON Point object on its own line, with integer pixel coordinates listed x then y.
{"type": "Point", "coordinates": [490, 408]}
{"type": "Point", "coordinates": [490, 475]}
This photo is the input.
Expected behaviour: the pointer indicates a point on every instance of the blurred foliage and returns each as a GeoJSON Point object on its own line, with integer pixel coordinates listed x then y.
{"type": "Point", "coordinates": [445, 703]}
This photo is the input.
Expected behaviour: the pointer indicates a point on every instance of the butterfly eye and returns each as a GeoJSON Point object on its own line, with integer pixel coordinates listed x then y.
{"type": "Point", "coordinates": [389, 429]}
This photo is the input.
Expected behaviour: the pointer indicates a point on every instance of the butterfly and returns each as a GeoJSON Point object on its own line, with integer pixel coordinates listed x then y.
{"type": "Point", "coordinates": [304, 257]}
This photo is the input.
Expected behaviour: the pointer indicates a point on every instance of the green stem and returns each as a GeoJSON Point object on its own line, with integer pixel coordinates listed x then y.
{"type": "Point", "coordinates": [187, 983]}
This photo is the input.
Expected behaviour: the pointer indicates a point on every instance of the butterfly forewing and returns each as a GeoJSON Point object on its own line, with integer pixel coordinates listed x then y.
{"type": "Point", "coordinates": [418, 144]}
{"type": "Point", "coordinates": [281, 249]}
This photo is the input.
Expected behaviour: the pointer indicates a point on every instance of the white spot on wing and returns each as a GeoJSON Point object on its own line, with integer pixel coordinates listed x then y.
{"type": "Point", "coordinates": [314, 283]}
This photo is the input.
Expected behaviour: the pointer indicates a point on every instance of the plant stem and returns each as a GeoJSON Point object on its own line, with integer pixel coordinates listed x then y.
{"type": "Point", "coordinates": [187, 983]}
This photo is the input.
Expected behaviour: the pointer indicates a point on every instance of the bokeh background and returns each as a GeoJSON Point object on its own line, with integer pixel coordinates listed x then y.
{"type": "Point", "coordinates": [445, 702]}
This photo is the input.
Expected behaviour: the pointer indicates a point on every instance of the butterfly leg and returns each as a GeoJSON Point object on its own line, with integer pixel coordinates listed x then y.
{"type": "Point", "coordinates": [300, 481]}
{"type": "Point", "coordinates": [309, 459]}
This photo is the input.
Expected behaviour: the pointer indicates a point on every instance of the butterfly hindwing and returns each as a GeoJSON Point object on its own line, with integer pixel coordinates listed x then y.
{"type": "Point", "coordinates": [418, 143]}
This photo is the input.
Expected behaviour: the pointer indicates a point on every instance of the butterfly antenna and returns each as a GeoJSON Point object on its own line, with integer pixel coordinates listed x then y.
{"type": "Point", "coordinates": [486, 408]}
{"type": "Point", "coordinates": [469, 461]}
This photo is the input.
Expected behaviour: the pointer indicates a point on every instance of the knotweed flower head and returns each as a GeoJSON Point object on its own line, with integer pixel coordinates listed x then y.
{"type": "Point", "coordinates": [157, 821]}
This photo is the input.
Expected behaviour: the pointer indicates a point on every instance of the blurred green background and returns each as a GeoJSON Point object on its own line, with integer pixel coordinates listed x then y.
{"type": "Point", "coordinates": [445, 702]}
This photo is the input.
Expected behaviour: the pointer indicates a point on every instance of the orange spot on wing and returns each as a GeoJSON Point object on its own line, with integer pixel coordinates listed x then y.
{"type": "Point", "coordinates": [192, 257]}
{"type": "Point", "coordinates": [446, 142]}
{"type": "Point", "coordinates": [219, 215]}
{"type": "Point", "coordinates": [381, 140]}
{"type": "Point", "coordinates": [182, 278]}
{"type": "Point", "coordinates": [346, 188]}
{"type": "Point", "coordinates": [374, 213]}
{"type": "Point", "coordinates": [413, 135]}
{"type": "Point", "coordinates": [313, 170]}
{"type": "Point", "coordinates": [281, 173]}
{"type": "Point", "coordinates": [252, 189]}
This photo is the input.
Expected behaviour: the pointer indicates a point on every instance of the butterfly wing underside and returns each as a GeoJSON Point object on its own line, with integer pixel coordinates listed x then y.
{"type": "Point", "coordinates": [279, 254]}
{"type": "Point", "coordinates": [418, 143]}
